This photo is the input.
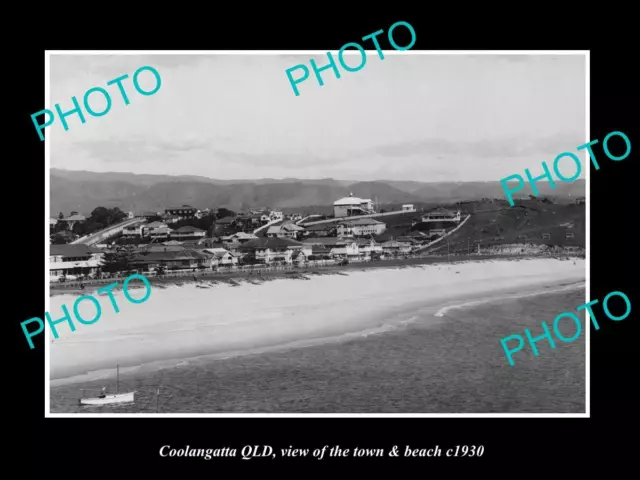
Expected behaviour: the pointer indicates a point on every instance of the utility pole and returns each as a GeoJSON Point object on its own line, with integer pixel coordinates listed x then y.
{"type": "Point", "coordinates": [468, 245]}
{"type": "Point", "coordinates": [157, 399]}
{"type": "Point", "coordinates": [448, 256]}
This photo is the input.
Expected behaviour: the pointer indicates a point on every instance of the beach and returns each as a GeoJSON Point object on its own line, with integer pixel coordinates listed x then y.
{"type": "Point", "coordinates": [231, 332]}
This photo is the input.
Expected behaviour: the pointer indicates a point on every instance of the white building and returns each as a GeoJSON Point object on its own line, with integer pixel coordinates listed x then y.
{"type": "Point", "coordinates": [360, 227]}
{"type": "Point", "coordinates": [188, 232]}
{"type": "Point", "coordinates": [73, 260]}
{"type": "Point", "coordinates": [441, 215]}
{"type": "Point", "coordinates": [269, 249]}
{"type": "Point", "coordinates": [276, 216]}
{"type": "Point", "coordinates": [156, 230]}
{"type": "Point", "coordinates": [349, 206]}
{"type": "Point", "coordinates": [223, 257]}
{"type": "Point", "coordinates": [408, 207]}
{"type": "Point", "coordinates": [132, 230]}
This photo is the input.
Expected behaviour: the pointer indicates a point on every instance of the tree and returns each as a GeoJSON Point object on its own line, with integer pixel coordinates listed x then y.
{"type": "Point", "coordinates": [225, 212]}
{"type": "Point", "coordinates": [58, 240]}
{"type": "Point", "coordinates": [249, 258]}
{"type": "Point", "coordinates": [119, 260]}
{"type": "Point", "coordinates": [103, 217]}
{"type": "Point", "coordinates": [60, 216]}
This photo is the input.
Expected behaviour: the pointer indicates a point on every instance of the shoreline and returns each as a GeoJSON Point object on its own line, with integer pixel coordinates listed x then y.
{"type": "Point", "coordinates": [299, 273]}
{"type": "Point", "coordinates": [224, 321]}
{"type": "Point", "coordinates": [405, 318]}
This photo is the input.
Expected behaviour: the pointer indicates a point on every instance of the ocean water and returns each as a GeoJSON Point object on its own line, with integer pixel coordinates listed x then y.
{"type": "Point", "coordinates": [434, 360]}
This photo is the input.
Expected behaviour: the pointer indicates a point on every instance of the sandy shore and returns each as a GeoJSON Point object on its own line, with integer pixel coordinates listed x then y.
{"type": "Point", "coordinates": [179, 322]}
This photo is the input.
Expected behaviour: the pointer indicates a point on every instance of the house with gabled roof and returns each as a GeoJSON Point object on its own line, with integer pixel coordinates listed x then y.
{"type": "Point", "coordinates": [77, 259]}
{"type": "Point", "coordinates": [187, 232]}
{"type": "Point", "coordinates": [270, 249]}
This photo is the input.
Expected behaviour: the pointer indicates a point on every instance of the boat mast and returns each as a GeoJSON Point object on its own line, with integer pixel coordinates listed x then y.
{"type": "Point", "coordinates": [117, 378]}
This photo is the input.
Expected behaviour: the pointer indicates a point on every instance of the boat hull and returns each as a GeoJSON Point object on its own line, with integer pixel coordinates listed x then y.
{"type": "Point", "coordinates": [108, 399]}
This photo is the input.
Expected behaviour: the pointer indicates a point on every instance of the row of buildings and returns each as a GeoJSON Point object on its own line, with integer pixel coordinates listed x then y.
{"type": "Point", "coordinates": [87, 261]}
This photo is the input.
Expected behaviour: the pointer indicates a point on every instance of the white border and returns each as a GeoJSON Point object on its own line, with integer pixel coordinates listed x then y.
{"type": "Point", "coordinates": [47, 150]}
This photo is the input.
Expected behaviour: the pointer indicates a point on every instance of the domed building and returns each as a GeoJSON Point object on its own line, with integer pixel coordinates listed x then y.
{"type": "Point", "coordinates": [350, 206]}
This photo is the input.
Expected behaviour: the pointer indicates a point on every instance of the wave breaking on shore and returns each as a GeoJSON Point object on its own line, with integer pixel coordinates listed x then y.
{"type": "Point", "coordinates": [222, 318]}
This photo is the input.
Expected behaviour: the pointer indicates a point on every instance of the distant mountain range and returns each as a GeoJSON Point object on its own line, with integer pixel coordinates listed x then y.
{"type": "Point", "coordinates": [83, 191]}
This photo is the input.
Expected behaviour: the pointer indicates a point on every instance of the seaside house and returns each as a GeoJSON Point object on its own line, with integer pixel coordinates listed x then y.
{"type": "Point", "coordinates": [368, 248]}
{"type": "Point", "coordinates": [223, 257]}
{"type": "Point", "coordinates": [338, 247]}
{"type": "Point", "coordinates": [269, 249]}
{"type": "Point", "coordinates": [52, 224]}
{"type": "Point", "coordinates": [238, 238]}
{"type": "Point", "coordinates": [187, 232]}
{"type": "Point", "coordinates": [287, 230]}
{"type": "Point", "coordinates": [393, 247]}
{"type": "Point", "coordinates": [361, 227]}
{"type": "Point", "coordinates": [321, 230]}
{"type": "Point", "coordinates": [173, 259]}
{"type": "Point", "coordinates": [73, 260]}
{"type": "Point", "coordinates": [320, 252]}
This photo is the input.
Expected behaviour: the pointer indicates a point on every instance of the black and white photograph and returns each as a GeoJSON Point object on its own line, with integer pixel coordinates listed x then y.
{"type": "Point", "coordinates": [347, 250]}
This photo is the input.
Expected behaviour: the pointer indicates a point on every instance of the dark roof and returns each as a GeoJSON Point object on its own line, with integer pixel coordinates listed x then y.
{"type": "Point", "coordinates": [325, 241]}
{"type": "Point", "coordinates": [363, 241]}
{"type": "Point", "coordinates": [361, 221]}
{"type": "Point", "coordinates": [228, 220]}
{"type": "Point", "coordinates": [270, 242]}
{"type": "Point", "coordinates": [162, 248]}
{"type": "Point", "coordinates": [187, 229]}
{"type": "Point", "coordinates": [73, 250]}
{"type": "Point", "coordinates": [171, 255]}
{"type": "Point", "coordinates": [383, 237]}
{"type": "Point", "coordinates": [320, 227]}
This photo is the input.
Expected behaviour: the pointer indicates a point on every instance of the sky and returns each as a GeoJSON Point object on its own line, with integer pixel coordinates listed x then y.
{"type": "Point", "coordinates": [421, 117]}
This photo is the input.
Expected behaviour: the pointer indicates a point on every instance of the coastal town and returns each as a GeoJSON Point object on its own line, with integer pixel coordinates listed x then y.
{"type": "Point", "coordinates": [181, 240]}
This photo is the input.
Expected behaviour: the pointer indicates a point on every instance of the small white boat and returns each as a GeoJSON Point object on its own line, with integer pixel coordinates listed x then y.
{"type": "Point", "coordinates": [109, 398]}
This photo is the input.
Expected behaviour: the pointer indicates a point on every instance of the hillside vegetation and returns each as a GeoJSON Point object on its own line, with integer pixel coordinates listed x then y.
{"type": "Point", "coordinates": [495, 222]}
{"type": "Point", "coordinates": [84, 191]}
